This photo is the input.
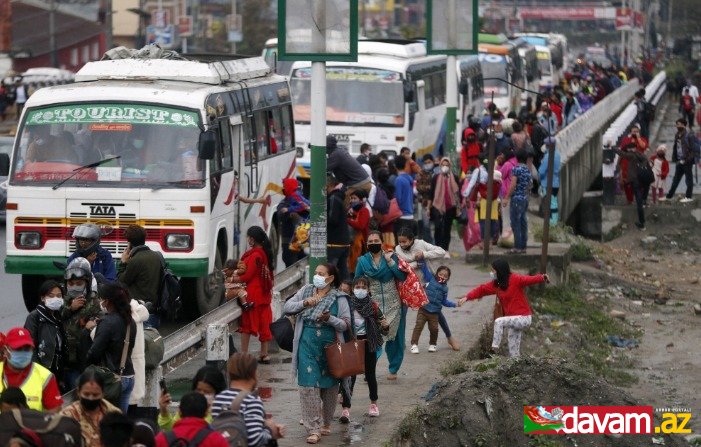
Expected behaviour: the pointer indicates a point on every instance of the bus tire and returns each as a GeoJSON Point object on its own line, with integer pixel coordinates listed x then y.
{"type": "Point", "coordinates": [210, 289]}
{"type": "Point", "coordinates": [188, 295]}
{"type": "Point", "coordinates": [30, 290]}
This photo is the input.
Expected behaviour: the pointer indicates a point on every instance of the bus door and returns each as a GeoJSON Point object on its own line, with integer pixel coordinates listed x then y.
{"type": "Point", "coordinates": [237, 142]}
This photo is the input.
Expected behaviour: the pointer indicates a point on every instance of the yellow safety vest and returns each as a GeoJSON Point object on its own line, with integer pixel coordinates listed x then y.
{"type": "Point", "coordinates": [33, 386]}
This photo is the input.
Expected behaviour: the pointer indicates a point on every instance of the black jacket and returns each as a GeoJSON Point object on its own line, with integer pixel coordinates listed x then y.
{"type": "Point", "coordinates": [337, 231]}
{"type": "Point", "coordinates": [346, 168]}
{"type": "Point", "coordinates": [106, 349]}
{"type": "Point", "coordinates": [49, 338]}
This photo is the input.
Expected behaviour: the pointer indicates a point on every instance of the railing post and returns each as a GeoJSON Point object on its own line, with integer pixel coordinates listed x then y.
{"type": "Point", "coordinates": [217, 345]}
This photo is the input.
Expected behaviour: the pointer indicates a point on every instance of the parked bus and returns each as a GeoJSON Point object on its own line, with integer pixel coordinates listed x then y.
{"type": "Point", "coordinates": [393, 96]}
{"type": "Point", "coordinates": [270, 54]}
{"type": "Point", "coordinates": [495, 69]}
{"type": "Point", "coordinates": [165, 144]}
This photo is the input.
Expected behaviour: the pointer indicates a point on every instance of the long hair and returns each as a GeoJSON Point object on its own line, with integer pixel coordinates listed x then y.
{"type": "Point", "coordinates": [503, 273]}
{"type": "Point", "coordinates": [331, 269]}
{"type": "Point", "coordinates": [259, 237]}
{"type": "Point", "coordinates": [117, 294]}
{"type": "Point", "coordinates": [211, 376]}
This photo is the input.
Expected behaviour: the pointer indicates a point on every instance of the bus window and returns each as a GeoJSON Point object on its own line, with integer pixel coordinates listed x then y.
{"type": "Point", "coordinates": [274, 127]}
{"type": "Point", "coordinates": [249, 152]}
{"type": "Point", "coordinates": [261, 128]}
{"type": "Point", "coordinates": [286, 126]}
{"type": "Point", "coordinates": [439, 88]}
{"type": "Point", "coordinates": [227, 161]}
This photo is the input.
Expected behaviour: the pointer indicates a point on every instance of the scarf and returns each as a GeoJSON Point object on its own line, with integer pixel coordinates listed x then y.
{"type": "Point", "coordinates": [445, 184]}
{"type": "Point", "coordinates": [366, 310]}
{"type": "Point", "coordinates": [313, 313]}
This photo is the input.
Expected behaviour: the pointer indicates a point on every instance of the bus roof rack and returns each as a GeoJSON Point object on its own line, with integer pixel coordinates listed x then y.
{"type": "Point", "coordinates": [153, 63]}
{"type": "Point", "coordinates": [401, 48]}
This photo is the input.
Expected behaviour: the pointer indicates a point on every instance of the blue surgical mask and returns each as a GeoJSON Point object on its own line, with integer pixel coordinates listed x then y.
{"type": "Point", "coordinates": [493, 275]}
{"type": "Point", "coordinates": [319, 281]}
{"type": "Point", "coordinates": [20, 359]}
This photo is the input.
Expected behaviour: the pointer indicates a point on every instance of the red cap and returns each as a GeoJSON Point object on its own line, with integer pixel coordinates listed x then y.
{"type": "Point", "coordinates": [289, 186]}
{"type": "Point", "coordinates": [18, 337]}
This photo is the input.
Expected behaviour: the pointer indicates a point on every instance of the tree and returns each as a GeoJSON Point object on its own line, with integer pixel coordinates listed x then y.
{"type": "Point", "coordinates": [259, 24]}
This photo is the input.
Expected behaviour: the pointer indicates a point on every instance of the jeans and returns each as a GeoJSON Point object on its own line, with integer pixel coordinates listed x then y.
{"type": "Point", "coordinates": [444, 324]}
{"type": "Point", "coordinates": [154, 321]}
{"type": "Point", "coordinates": [127, 387]}
{"type": "Point", "coordinates": [679, 171]}
{"type": "Point", "coordinates": [519, 222]}
{"type": "Point", "coordinates": [338, 256]}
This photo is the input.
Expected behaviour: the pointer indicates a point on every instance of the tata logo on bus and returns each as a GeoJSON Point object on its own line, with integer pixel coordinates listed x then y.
{"type": "Point", "coordinates": [102, 210]}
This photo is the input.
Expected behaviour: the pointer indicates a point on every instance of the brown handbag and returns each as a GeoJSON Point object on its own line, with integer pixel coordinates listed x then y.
{"type": "Point", "coordinates": [345, 359]}
{"type": "Point", "coordinates": [498, 309]}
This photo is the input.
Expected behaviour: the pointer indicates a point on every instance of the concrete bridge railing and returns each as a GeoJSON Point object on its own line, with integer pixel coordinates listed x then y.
{"type": "Point", "coordinates": [580, 147]}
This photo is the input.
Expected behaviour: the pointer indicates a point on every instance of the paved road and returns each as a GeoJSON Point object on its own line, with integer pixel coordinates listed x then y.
{"type": "Point", "coordinates": [13, 312]}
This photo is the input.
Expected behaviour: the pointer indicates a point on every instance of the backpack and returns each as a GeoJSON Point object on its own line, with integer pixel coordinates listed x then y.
{"type": "Point", "coordinates": [649, 111]}
{"type": "Point", "coordinates": [231, 424]}
{"type": "Point", "coordinates": [173, 441]}
{"type": "Point", "coordinates": [54, 430]}
{"type": "Point", "coordinates": [381, 204]}
{"type": "Point", "coordinates": [168, 302]}
{"type": "Point", "coordinates": [154, 348]}
{"type": "Point", "coordinates": [694, 144]}
{"type": "Point", "coordinates": [687, 103]}
{"type": "Point", "coordinates": [644, 170]}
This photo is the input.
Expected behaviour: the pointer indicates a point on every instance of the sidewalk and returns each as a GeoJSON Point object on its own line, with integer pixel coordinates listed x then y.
{"type": "Point", "coordinates": [396, 398]}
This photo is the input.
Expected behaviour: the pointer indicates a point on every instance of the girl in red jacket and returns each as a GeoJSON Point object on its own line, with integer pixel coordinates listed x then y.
{"type": "Point", "coordinates": [258, 276]}
{"type": "Point", "coordinates": [660, 167]}
{"type": "Point", "coordinates": [508, 287]}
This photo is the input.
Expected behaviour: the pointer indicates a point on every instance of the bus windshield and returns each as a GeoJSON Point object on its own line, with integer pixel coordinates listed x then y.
{"type": "Point", "coordinates": [544, 63]}
{"type": "Point", "coordinates": [355, 96]}
{"type": "Point", "coordinates": [156, 146]}
{"type": "Point", "coordinates": [495, 70]}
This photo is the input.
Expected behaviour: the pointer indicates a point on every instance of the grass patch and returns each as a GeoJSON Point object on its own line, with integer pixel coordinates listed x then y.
{"type": "Point", "coordinates": [557, 233]}
{"type": "Point", "coordinates": [589, 344]}
{"type": "Point", "coordinates": [455, 366]}
{"type": "Point", "coordinates": [410, 421]}
{"type": "Point", "coordinates": [581, 252]}
{"type": "Point", "coordinates": [544, 441]}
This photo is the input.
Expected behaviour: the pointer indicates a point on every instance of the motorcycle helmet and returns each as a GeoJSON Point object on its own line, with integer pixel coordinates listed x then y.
{"type": "Point", "coordinates": [90, 232]}
{"type": "Point", "coordinates": [79, 268]}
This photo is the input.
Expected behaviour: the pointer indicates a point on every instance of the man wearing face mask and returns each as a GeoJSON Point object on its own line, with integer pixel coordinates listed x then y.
{"type": "Point", "coordinates": [37, 383]}
{"type": "Point", "coordinates": [683, 156]}
{"type": "Point", "coordinates": [503, 144]}
{"type": "Point", "coordinates": [45, 326]}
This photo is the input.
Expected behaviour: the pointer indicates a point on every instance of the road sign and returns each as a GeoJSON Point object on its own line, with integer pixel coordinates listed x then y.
{"type": "Point", "coordinates": [624, 19]}
{"type": "Point", "coordinates": [160, 18]}
{"type": "Point", "coordinates": [234, 36]}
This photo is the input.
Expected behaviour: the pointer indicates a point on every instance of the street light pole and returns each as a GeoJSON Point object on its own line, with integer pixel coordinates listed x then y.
{"type": "Point", "coordinates": [451, 88]}
{"type": "Point", "coordinates": [52, 34]}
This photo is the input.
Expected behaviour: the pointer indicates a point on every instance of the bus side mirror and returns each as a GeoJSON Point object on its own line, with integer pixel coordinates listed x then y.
{"type": "Point", "coordinates": [4, 165]}
{"type": "Point", "coordinates": [462, 86]}
{"type": "Point", "coordinates": [207, 145]}
{"type": "Point", "coordinates": [408, 91]}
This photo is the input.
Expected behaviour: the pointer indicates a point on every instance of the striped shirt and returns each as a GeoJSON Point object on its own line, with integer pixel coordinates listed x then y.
{"type": "Point", "coordinates": [253, 415]}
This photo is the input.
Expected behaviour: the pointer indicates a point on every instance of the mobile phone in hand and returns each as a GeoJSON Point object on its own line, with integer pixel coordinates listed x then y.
{"type": "Point", "coordinates": [162, 384]}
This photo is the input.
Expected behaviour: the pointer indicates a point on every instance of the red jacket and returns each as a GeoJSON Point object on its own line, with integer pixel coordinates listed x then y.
{"type": "Point", "coordinates": [361, 221]}
{"type": "Point", "coordinates": [513, 300]}
{"type": "Point", "coordinates": [187, 428]}
{"type": "Point", "coordinates": [259, 290]}
{"type": "Point", "coordinates": [469, 156]}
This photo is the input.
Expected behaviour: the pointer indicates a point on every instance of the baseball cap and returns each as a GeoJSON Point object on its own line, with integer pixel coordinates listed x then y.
{"type": "Point", "coordinates": [18, 337]}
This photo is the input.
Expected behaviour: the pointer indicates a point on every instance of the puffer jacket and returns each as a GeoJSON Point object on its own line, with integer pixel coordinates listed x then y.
{"type": "Point", "coordinates": [49, 337]}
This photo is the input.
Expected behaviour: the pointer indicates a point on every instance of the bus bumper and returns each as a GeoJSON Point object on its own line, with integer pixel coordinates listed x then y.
{"type": "Point", "coordinates": [44, 265]}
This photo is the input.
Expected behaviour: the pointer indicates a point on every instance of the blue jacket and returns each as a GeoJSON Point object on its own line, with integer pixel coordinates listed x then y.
{"type": "Point", "coordinates": [404, 193]}
{"type": "Point", "coordinates": [543, 170]}
{"type": "Point", "coordinates": [437, 297]}
{"type": "Point", "coordinates": [104, 264]}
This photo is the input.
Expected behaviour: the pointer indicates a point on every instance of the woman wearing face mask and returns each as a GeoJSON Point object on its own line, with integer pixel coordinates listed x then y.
{"type": "Point", "coordinates": [208, 381]}
{"type": "Point", "coordinates": [382, 268]}
{"type": "Point", "coordinates": [258, 276]}
{"type": "Point", "coordinates": [417, 253]}
{"type": "Point", "coordinates": [444, 203]}
{"type": "Point", "coordinates": [46, 328]}
{"type": "Point", "coordinates": [322, 314]}
{"type": "Point", "coordinates": [110, 335]}
{"type": "Point", "coordinates": [508, 287]}
{"type": "Point", "coordinates": [89, 408]}
{"type": "Point", "coordinates": [358, 219]}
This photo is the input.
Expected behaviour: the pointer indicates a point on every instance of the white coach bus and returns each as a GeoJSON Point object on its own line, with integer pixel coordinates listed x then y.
{"type": "Point", "coordinates": [393, 96]}
{"type": "Point", "coordinates": [190, 136]}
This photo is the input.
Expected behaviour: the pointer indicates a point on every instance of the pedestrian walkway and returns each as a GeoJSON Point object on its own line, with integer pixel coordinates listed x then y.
{"type": "Point", "coordinates": [396, 398]}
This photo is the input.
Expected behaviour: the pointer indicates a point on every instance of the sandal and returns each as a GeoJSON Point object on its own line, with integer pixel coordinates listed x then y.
{"type": "Point", "coordinates": [325, 431]}
{"type": "Point", "coordinates": [314, 438]}
{"type": "Point", "coordinates": [264, 359]}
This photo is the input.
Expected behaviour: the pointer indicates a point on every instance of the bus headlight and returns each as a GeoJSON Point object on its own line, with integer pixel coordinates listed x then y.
{"type": "Point", "coordinates": [29, 239]}
{"type": "Point", "coordinates": [300, 152]}
{"type": "Point", "coordinates": [177, 241]}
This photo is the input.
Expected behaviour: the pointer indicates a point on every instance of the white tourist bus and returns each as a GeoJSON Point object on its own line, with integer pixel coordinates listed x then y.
{"type": "Point", "coordinates": [191, 135]}
{"type": "Point", "coordinates": [393, 96]}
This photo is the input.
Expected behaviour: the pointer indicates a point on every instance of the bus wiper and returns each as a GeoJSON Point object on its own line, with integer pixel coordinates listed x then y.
{"type": "Point", "coordinates": [168, 184]}
{"type": "Point", "coordinates": [77, 171]}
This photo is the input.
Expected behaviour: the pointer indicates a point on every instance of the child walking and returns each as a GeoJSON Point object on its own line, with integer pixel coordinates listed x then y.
{"type": "Point", "coordinates": [437, 292]}
{"type": "Point", "coordinates": [508, 287]}
{"type": "Point", "coordinates": [660, 167]}
{"type": "Point", "coordinates": [369, 324]}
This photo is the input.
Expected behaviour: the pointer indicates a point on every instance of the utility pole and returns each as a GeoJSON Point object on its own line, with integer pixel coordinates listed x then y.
{"type": "Point", "coordinates": [108, 21]}
{"type": "Point", "coordinates": [451, 88]}
{"type": "Point", "coordinates": [670, 8]}
{"type": "Point", "coordinates": [52, 34]}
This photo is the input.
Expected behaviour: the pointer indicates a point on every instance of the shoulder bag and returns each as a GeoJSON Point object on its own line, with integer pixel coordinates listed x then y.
{"type": "Point", "coordinates": [113, 381]}
{"type": "Point", "coordinates": [345, 359]}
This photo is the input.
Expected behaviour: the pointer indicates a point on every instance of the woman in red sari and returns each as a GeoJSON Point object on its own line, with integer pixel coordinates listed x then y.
{"type": "Point", "coordinates": [258, 276]}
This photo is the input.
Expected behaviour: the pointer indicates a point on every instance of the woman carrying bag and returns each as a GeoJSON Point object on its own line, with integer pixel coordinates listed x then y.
{"type": "Point", "coordinates": [382, 268]}
{"type": "Point", "coordinates": [322, 315]}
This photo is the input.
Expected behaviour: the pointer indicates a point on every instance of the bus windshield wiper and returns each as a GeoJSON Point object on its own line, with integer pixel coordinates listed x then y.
{"type": "Point", "coordinates": [77, 171]}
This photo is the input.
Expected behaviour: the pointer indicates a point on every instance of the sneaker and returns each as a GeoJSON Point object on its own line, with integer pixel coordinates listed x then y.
{"type": "Point", "coordinates": [414, 349]}
{"type": "Point", "coordinates": [373, 411]}
{"type": "Point", "coordinates": [662, 199]}
{"type": "Point", "coordinates": [640, 226]}
{"type": "Point", "coordinates": [345, 416]}
{"type": "Point", "coordinates": [431, 348]}
{"type": "Point", "coordinates": [686, 200]}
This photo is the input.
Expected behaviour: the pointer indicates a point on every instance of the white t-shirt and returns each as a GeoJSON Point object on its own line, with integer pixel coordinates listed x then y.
{"type": "Point", "coordinates": [21, 94]}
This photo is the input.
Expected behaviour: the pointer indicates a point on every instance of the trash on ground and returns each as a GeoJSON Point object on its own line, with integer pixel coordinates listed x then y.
{"type": "Point", "coordinates": [621, 342]}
